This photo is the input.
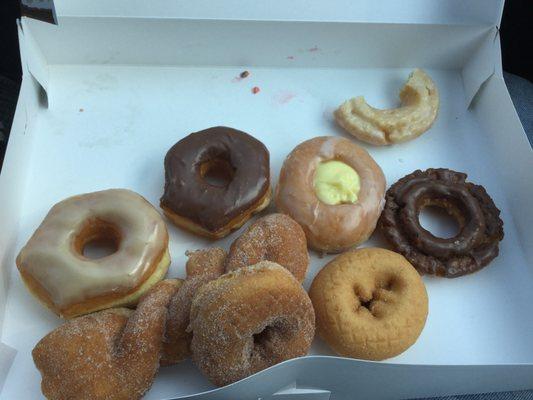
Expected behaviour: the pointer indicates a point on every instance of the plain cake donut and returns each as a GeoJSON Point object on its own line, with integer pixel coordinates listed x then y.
{"type": "Point", "coordinates": [369, 304]}
{"type": "Point", "coordinates": [54, 269]}
{"type": "Point", "coordinates": [331, 228]}
{"type": "Point", "coordinates": [248, 320]}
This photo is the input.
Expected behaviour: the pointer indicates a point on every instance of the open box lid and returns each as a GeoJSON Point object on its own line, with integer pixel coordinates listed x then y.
{"type": "Point", "coordinates": [474, 12]}
{"type": "Point", "coordinates": [444, 13]}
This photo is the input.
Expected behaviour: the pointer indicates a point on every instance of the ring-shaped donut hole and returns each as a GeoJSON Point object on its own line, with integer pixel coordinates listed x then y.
{"type": "Point", "coordinates": [363, 298]}
{"type": "Point", "coordinates": [459, 204]}
{"type": "Point", "coordinates": [383, 290]}
{"type": "Point", "coordinates": [271, 335]}
{"type": "Point", "coordinates": [97, 239]}
{"type": "Point", "coordinates": [217, 171]}
{"type": "Point", "coordinates": [440, 220]}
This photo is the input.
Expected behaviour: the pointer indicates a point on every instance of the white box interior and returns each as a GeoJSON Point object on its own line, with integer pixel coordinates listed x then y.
{"type": "Point", "coordinates": [121, 93]}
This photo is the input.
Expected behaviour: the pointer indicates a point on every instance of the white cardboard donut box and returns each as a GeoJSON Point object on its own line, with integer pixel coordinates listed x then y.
{"type": "Point", "coordinates": [107, 91]}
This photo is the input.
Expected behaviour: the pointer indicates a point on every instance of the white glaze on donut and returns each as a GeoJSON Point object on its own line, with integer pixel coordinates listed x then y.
{"type": "Point", "coordinates": [50, 257]}
{"type": "Point", "coordinates": [330, 228]}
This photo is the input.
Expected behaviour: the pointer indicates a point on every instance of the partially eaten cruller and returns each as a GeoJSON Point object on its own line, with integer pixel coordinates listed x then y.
{"type": "Point", "coordinates": [419, 107]}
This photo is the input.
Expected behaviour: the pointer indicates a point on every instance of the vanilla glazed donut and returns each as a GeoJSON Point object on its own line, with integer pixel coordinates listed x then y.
{"type": "Point", "coordinates": [370, 303]}
{"type": "Point", "coordinates": [352, 217]}
{"type": "Point", "coordinates": [248, 320]}
{"type": "Point", "coordinates": [54, 269]}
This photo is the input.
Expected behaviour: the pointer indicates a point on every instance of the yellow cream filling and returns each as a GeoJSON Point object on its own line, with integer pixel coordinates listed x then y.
{"type": "Point", "coordinates": [336, 183]}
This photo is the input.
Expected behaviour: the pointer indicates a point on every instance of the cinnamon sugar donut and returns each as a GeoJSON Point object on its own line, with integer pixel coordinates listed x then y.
{"type": "Point", "coordinates": [112, 354]}
{"type": "Point", "coordinates": [369, 303]}
{"type": "Point", "coordinates": [248, 320]}
{"type": "Point", "coordinates": [202, 266]}
{"type": "Point", "coordinates": [275, 237]}
{"type": "Point", "coordinates": [53, 265]}
{"type": "Point", "coordinates": [352, 215]}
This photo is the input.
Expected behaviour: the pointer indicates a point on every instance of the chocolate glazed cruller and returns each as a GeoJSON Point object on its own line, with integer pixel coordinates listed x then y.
{"type": "Point", "coordinates": [481, 228]}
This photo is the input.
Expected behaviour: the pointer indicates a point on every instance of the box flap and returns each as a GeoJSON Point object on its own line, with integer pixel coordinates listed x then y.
{"type": "Point", "coordinates": [484, 12]}
{"type": "Point", "coordinates": [482, 64]}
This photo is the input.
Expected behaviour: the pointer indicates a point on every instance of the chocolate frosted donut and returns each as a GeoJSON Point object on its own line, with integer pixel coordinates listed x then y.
{"type": "Point", "coordinates": [481, 228]}
{"type": "Point", "coordinates": [215, 180]}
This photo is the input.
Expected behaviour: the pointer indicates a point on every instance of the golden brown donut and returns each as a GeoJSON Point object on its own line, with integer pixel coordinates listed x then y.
{"type": "Point", "coordinates": [202, 266]}
{"type": "Point", "coordinates": [53, 265]}
{"type": "Point", "coordinates": [369, 303]}
{"type": "Point", "coordinates": [109, 355]}
{"type": "Point", "coordinates": [275, 237]}
{"type": "Point", "coordinates": [248, 320]}
{"type": "Point", "coordinates": [330, 228]}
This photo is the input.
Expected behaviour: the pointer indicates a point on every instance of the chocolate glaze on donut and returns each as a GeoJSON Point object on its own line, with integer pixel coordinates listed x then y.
{"type": "Point", "coordinates": [481, 228]}
{"type": "Point", "coordinates": [241, 160]}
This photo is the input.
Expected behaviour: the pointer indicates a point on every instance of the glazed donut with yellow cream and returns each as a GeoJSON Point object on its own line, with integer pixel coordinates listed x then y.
{"type": "Point", "coordinates": [334, 190]}
{"type": "Point", "coordinates": [54, 268]}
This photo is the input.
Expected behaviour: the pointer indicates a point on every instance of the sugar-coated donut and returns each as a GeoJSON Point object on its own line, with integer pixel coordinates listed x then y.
{"type": "Point", "coordinates": [331, 227]}
{"type": "Point", "coordinates": [54, 269]}
{"type": "Point", "coordinates": [248, 320]}
{"type": "Point", "coordinates": [109, 355]}
{"type": "Point", "coordinates": [215, 180]}
{"type": "Point", "coordinates": [369, 304]}
{"type": "Point", "coordinates": [275, 237]}
{"type": "Point", "coordinates": [202, 266]}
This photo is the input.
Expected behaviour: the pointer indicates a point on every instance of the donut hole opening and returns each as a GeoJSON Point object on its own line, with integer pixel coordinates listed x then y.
{"type": "Point", "coordinates": [97, 239]}
{"type": "Point", "coordinates": [438, 221]}
{"type": "Point", "coordinates": [366, 304]}
{"type": "Point", "coordinates": [268, 337]}
{"type": "Point", "coordinates": [263, 337]}
{"type": "Point", "coordinates": [217, 172]}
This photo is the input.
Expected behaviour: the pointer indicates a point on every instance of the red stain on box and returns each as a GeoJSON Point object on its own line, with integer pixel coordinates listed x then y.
{"type": "Point", "coordinates": [255, 90]}
{"type": "Point", "coordinates": [284, 97]}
